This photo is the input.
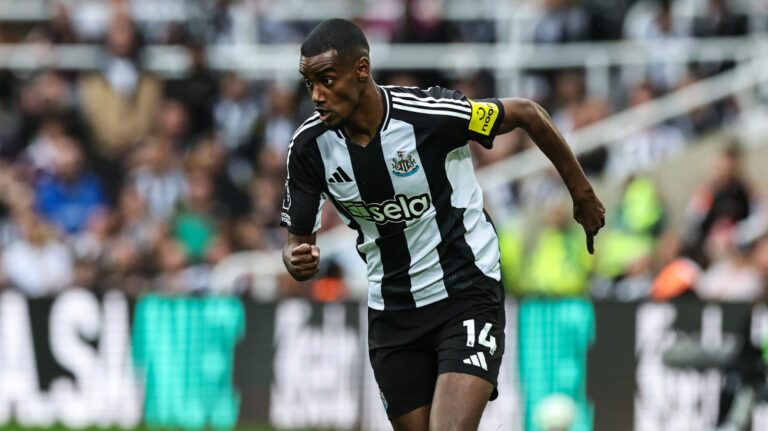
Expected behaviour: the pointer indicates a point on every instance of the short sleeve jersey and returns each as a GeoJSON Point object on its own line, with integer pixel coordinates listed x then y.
{"type": "Point", "coordinates": [411, 194]}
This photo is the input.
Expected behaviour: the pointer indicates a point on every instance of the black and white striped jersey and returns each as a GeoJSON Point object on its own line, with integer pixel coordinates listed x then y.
{"type": "Point", "coordinates": [411, 194]}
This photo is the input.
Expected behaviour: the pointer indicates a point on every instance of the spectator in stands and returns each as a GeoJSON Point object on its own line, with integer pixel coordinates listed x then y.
{"type": "Point", "coordinates": [72, 196]}
{"type": "Point", "coordinates": [47, 98]}
{"type": "Point", "coordinates": [422, 23]}
{"type": "Point", "coordinates": [663, 25]}
{"type": "Point", "coordinates": [472, 31]}
{"type": "Point", "coordinates": [230, 22]}
{"type": "Point", "coordinates": [330, 286]}
{"type": "Point", "coordinates": [760, 259]}
{"type": "Point", "coordinates": [58, 29]}
{"type": "Point", "coordinates": [209, 156]}
{"type": "Point", "coordinates": [541, 190]}
{"type": "Point", "coordinates": [248, 233]}
{"type": "Point", "coordinates": [134, 224]}
{"type": "Point", "coordinates": [36, 263]}
{"type": "Point", "coordinates": [266, 197]}
{"type": "Point", "coordinates": [719, 20]}
{"type": "Point", "coordinates": [724, 201]}
{"type": "Point", "coordinates": [40, 154]}
{"type": "Point", "coordinates": [734, 276]}
{"type": "Point", "coordinates": [563, 21]}
{"type": "Point", "coordinates": [382, 19]}
{"type": "Point", "coordinates": [158, 177]}
{"type": "Point", "coordinates": [573, 110]}
{"type": "Point", "coordinates": [558, 265]}
{"type": "Point", "coordinates": [276, 124]}
{"type": "Point", "coordinates": [569, 94]}
{"type": "Point", "coordinates": [627, 245]}
{"type": "Point", "coordinates": [512, 249]}
{"type": "Point", "coordinates": [121, 268]}
{"type": "Point", "coordinates": [710, 117]}
{"type": "Point", "coordinates": [7, 183]}
{"type": "Point", "coordinates": [196, 91]}
{"type": "Point", "coordinates": [234, 112]}
{"type": "Point", "coordinates": [644, 149]}
{"type": "Point", "coordinates": [171, 261]}
{"type": "Point", "coordinates": [172, 124]}
{"type": "Point", "coordinates": [175, 273]}
{"type": "Point", "coordinates": [676, 273]}
{"type": "Point", "coordinates": [195, 223]}
{"type": "Point", "coordinates": [120, 100]}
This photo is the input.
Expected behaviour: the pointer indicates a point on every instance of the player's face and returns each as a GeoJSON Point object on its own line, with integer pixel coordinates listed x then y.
{"type": "Point", "coordinates": [334, 85]}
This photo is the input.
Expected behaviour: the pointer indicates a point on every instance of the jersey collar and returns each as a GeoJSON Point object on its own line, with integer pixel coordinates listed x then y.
{"type": "Point", "coordinates": [387, 98]}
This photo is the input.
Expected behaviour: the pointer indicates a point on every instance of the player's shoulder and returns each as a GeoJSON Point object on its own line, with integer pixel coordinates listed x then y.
{"type": "Point", "coordinates": [307, 133]}
{"type": "Point", "coordinates": [435, 93]}
{"type": "Point", "coordinates": [414, 103]}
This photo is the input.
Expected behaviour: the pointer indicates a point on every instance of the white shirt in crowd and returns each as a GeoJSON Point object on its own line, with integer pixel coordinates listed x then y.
{"type": "Point", "coordinates": [37, 270]}
{"type": "Point", "coordinates": [730, 281]}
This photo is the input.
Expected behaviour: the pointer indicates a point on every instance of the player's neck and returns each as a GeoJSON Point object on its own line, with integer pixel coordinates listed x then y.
{"type": "Point", "coordinates": [363, 125]}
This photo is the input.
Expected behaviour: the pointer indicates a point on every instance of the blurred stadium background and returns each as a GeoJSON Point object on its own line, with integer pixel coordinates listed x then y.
{"type": "Point", "coordinates": [142, 154]}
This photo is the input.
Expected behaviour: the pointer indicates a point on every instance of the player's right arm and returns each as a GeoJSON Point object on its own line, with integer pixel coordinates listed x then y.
{"type": "Point", "coordinates": [302, 207]}
{"type": "Point", "coordinates": [301, 256]}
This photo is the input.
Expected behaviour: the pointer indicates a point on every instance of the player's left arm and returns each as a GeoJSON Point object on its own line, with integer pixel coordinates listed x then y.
{"type": "Point", "coordinates": [531, 117]}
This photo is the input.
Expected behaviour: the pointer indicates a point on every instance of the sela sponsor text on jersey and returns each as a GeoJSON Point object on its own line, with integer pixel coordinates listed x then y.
{"type": "Point", "coordinates": [398, 209]}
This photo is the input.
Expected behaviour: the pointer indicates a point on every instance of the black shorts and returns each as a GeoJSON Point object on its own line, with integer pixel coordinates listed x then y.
{"type": "Point", "coordinates": [410, 348]}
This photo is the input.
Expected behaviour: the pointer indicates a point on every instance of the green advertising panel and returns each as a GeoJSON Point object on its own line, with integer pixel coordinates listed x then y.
{"type": "Point", "coordinates": [554, 337]}
{"type": "Point", "coordinates": [185, 349]}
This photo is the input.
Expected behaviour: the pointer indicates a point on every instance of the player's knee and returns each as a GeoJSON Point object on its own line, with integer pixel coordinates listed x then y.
{"type": "Point", "coordinates": [456, 422]}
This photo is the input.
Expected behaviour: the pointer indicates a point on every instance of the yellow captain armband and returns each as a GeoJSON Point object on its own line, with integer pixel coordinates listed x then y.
{"type": "Point", "coordinates": [483, 117]}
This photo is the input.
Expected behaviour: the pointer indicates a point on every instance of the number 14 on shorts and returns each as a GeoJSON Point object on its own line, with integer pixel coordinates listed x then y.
{"type": "Point", "coordinates": [484, 339]}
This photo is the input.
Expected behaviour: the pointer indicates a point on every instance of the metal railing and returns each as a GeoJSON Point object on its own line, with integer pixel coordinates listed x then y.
{"type": "Point", "coordinates": [262, 61]}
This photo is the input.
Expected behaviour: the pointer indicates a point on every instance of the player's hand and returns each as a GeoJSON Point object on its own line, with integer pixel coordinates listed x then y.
{"type": "Point", "coordinates": [302, 261]}
{"type": "Point", "coordinates": [590, 213]}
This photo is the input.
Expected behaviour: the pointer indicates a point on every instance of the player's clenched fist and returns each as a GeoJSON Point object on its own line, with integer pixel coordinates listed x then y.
{"type": "Point", "coordinates": [302, 261]}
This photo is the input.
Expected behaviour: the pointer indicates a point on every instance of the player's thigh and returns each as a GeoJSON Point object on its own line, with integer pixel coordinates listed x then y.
{"type": "Point", "coordinates": [406, 377]}
{"type": "Point", "coordinates": [459, 402]}
{"type": "Point", "coordinates": [415, 420]}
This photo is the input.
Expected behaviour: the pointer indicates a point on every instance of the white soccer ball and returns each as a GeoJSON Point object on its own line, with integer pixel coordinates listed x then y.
{"type": "Point", "coordinates": [556, 412]}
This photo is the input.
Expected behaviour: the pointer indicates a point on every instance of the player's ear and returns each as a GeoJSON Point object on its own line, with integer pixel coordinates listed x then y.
{"type": "Point", "coordinates": [363, 69]}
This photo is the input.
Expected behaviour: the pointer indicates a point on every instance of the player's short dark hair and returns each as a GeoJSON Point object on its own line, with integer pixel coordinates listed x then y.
{"type": "Point", "coordinates": [339, 34]}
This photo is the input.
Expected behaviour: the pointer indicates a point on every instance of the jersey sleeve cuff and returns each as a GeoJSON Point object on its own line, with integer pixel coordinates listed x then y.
{"type": "Point", "coordinates": [295, 229]}
{"type": "Point", "coordinates": [487, 142]}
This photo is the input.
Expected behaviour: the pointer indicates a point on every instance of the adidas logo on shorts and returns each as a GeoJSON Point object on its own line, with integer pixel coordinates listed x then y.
{"type": "Point", "coordinates": [477, 360]}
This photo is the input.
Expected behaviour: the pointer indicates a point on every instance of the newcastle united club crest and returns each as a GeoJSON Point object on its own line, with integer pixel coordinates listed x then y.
{"type": "Point", "coordinates": [404, 166]}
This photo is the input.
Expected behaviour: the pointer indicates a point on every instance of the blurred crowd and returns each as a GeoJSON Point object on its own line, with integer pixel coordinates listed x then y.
{"type": "Point", "coordinates": [720, 253]}
{"type": "Point", "coordinates": [121, 178]}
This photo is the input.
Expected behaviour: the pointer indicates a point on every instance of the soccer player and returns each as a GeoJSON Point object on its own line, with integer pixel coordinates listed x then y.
{"type": "Point", "coordinates": [395, 164]}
